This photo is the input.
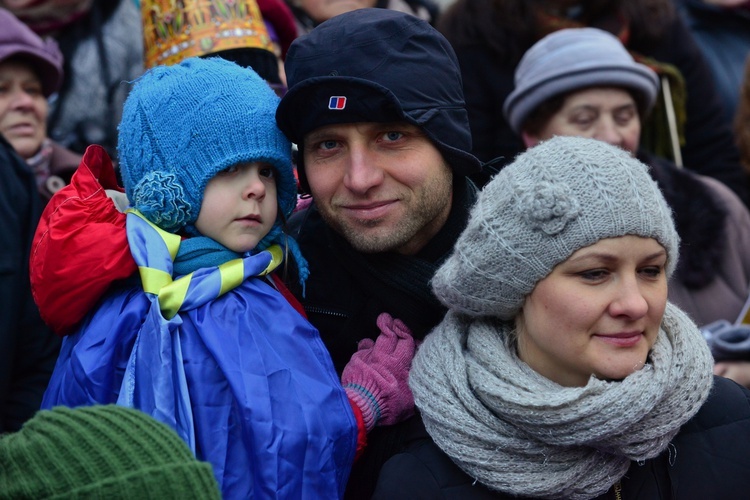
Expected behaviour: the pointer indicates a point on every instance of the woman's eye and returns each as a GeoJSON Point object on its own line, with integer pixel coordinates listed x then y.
{"type": "Point", "coordinates": [624, 117]}
{"type": "Point", "coordinates": [33, 90]}
{"type": "Point", "coordinates": [652, 271]}
{"type": "Point", "coordinates": [593, 274]}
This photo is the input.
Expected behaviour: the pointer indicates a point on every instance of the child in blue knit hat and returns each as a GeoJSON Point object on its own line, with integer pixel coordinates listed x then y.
{"type": "Point", "coordinates": [207, 341]}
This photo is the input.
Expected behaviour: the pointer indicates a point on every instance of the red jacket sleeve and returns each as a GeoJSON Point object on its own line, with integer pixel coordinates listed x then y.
{"type": "Point", "coordinates": [80, 246]}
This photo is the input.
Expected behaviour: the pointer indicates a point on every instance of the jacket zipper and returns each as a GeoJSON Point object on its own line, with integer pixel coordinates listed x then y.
{"type": "Point", "coordinates": [320, 310]}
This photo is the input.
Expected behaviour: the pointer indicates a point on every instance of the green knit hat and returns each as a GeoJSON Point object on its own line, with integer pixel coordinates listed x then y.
{"type": "Point", "coordinates": [100, 452]}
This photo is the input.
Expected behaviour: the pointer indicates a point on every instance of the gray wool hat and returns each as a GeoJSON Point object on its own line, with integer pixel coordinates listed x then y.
{"type": "Point", "coordinates": [560, 196]}
{"type": "Point", "coordinates": [572, 59]}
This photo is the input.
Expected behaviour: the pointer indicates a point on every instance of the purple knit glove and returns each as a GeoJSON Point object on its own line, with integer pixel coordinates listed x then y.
{"type": "Point", "coordinates": [376, 377]}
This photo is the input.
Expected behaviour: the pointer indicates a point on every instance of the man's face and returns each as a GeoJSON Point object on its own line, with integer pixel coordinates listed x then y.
{"type": "Point", "coordinates": [382, 186]}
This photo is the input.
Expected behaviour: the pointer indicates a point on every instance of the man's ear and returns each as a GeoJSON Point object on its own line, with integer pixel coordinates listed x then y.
{"type": "Point", "coordinates": [529, 140]}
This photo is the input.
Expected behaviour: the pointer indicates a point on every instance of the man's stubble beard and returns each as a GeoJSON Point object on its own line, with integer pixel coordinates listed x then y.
{"type": "Point", "coordinates": [430, 205]}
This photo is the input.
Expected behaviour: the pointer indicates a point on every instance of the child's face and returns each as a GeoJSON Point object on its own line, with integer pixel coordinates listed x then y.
{"type": "Point", "coordinates": [239, 206]}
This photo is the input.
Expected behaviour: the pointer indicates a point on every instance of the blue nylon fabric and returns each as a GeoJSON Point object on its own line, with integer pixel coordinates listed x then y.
{"type": "Point", "coordinates": [244, 379]}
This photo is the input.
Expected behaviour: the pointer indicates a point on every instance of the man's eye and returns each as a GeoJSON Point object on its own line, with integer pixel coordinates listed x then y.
{"type": "Point", "coordinates": [328, 144]}
{"type": "Point", "coordinates": [392, 136]}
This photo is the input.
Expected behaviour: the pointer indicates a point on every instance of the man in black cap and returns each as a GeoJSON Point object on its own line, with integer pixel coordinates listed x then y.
{"type": "Point", "coordinates": [376, 107]}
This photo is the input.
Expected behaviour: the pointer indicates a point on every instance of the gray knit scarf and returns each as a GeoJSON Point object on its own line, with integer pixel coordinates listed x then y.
{"type": "Point", "coordinates": [519, 433]}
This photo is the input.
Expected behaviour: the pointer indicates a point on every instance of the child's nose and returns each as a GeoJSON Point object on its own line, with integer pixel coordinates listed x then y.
{"type": "Point", "coordinates": [254, 186]}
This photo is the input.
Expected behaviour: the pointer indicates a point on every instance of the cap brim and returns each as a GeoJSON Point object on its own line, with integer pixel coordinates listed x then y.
{"type": "Point", "coordinates": [306, 107]}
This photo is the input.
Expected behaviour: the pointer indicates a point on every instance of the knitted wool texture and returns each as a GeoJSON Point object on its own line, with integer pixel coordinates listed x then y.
{"type": "Point", "coordinates": [517, 432]}
{"type": "Point", "coordinates": [573, 59]}
{"type": "Point", "coordinates": [100, 452]}
{"type": "Point", "coordinates": [183, 124]}
{"type": "Point", "coordinates": [559, 196]}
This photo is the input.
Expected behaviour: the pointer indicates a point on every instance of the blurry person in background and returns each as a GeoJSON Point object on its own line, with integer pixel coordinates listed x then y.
{"type": "Point", "coordinates": [30, 72]}
{"type": "Point", "coordinates": [102, 51]}
{"type": "Point", "coordinates": [310, 13]}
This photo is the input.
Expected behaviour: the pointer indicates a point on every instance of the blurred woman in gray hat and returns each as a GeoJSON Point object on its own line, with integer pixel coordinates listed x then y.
{"type": "Point", "coordinates": [30, 72]}
{"type": "Point", "coordinates": [491, 36]}
{"type": "Point", "coordinates": [560, 369]}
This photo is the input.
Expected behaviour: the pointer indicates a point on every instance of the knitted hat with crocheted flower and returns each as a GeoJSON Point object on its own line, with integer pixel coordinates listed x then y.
{"type": "Point", "coordinates": [103, 451]}
{"type": "Point", "coordinates": [560, 196]}
{"type": "Point", "coordinates": [183, 124]}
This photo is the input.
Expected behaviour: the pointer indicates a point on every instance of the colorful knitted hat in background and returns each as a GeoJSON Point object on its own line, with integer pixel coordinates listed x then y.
{"type": "Point", "coordinates": [183, 124]}
{"type": "Point", "coordinates": [174, 31]}
{"type": "Point", "coordinates": [100, 452]}
{"type": "Point", "coordinates": [560, 196]}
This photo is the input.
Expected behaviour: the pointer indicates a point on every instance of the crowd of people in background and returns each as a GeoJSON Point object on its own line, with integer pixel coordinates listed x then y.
{"type": "Point", "coordinates": [375, 248]}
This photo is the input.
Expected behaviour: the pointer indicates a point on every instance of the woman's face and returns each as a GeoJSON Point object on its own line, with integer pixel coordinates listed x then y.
{"type": "Point", "coordinates": [597, 313]}
{"type": "Point", "coordinates": [605, 113]}
{"type": "Point", "coordinates": [23, 108]}
{"type": "Point", "coordinates": [323, 10]}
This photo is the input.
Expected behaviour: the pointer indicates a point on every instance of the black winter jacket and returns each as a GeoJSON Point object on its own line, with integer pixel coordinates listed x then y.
{"type": "Point", "coordinates": [708, 459]}
{"type": "Point", "coordinates": [28, 349]}
{"type": "Point", "coordinates": [347, 290]}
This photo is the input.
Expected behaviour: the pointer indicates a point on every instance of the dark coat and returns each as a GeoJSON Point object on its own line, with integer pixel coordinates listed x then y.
{"type": "Point", "coordinates": [723, 34]}
{"type": "Point", "coordinates": [28, 349]}
{"type": "Point", "coordinates": [709, 458]}
{"type": "Point", "coordinates": [713, 271]}
{"type": "Point", "coordinates": [347, 290]}
{"type": "Point", "coordinates": [709, 148]}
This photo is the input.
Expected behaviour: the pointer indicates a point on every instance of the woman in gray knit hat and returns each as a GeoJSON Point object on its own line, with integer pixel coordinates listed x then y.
{"type": "Point", "coordinates": [583, 82]}
{"type": "Point", "coordinates": [561, 370]}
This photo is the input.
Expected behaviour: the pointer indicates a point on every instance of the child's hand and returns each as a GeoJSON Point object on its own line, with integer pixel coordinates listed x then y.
{"type": "Point", "coordinates": [376, 378]}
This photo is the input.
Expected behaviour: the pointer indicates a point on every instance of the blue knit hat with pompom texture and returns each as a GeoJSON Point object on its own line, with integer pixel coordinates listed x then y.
{"type": "Point", "coordinates": [183, 124]}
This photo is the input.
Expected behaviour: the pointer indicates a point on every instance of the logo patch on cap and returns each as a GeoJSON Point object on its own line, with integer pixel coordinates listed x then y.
{"type": "Point", "coordinates": [337, 102]}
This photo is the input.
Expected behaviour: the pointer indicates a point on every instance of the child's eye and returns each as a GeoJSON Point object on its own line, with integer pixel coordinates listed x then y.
{"type": "Point", "coordinates": [230, 170]}
{"type": "Point", "coordinates": [268, 172]}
